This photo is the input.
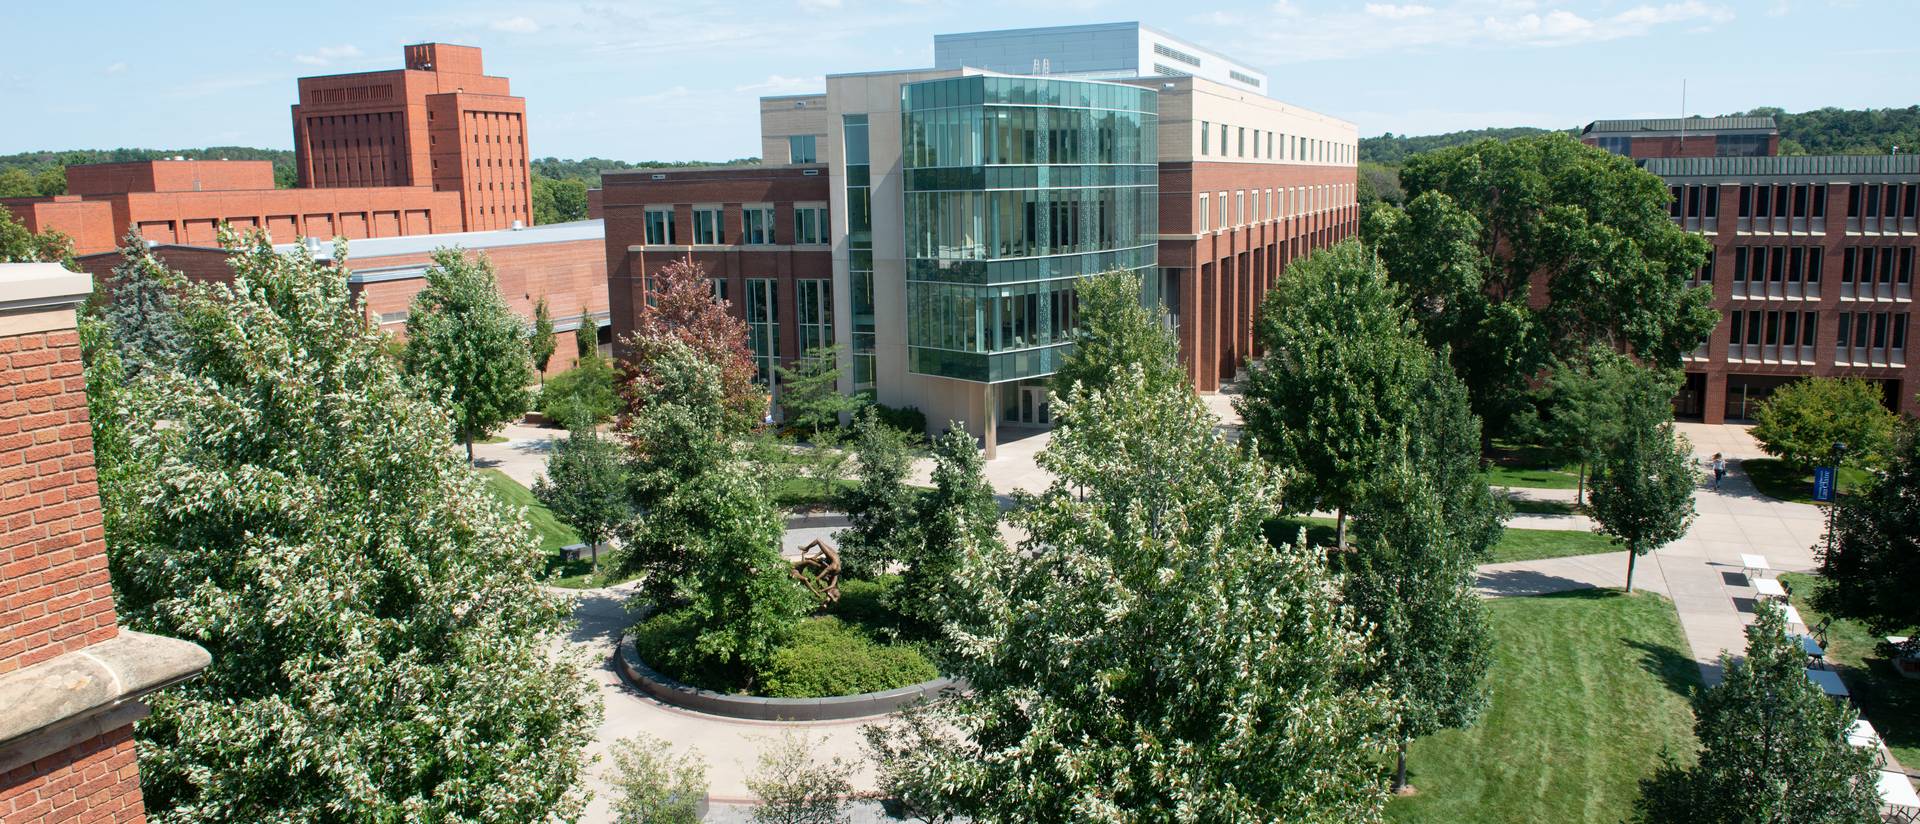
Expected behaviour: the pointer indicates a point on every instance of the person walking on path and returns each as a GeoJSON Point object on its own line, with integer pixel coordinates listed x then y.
{"type": "Point", "coordinates": [1719, 469]}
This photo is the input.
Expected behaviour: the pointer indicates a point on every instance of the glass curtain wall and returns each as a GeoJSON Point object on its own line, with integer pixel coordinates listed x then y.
{"type": "Point", "coordinates": [860, 246]}
{"type": "Point", "coordinates": [1016, 188]}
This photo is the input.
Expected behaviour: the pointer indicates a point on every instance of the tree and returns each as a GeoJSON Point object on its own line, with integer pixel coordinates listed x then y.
{"type": "Point", "coordinates": [1588, 227]}
{"type": "Point", "coordinates": [1584, 399]}
{"type": "Point", "coordinates": [586, 487]}
{"type": "Point", "coordinates": [810, 391]}
{"type": "Point", "coordinates": [466, 348]}
{"type": "Point", "coordinates": [674, 439]}
{"type": "Point", "coordinates": [584, 396]}
{"type": "Point", "coordinates": [558, 200]}
{"type": "Point", "coordinates": [1114, 329]}
{"type": "Point", "coordinates": [959, 517]}
{"type": "Point", "coordinates": [883, 523]}
{"type": "Point", "coordinates": [18, 245]}
{"type": "Point", "coordinates": [1800, 422]}
{"type": "Point", "coordinates": [1146, 655]}
{"type": "Point", "coordinates": [1772, 746]}
{"type": "Point", "coordinates": [1875, 556]}
{"type": "Point", "coordinates": [144, 315]}
{"type": "Point", "coordinates": [586, 336]}
{"type": "Point", "coordinates": [683, 308]}
{"type": "Point", "coordinates": [655, 786]}
{"type": "Point", "coordinates": [1340, 383]}
{"type": "Point", "coordinates": [795, 789]}
{"type": "Point", "coordinates": [1643, 485]}
{"type": "Point", "coordinates": [540, 343]}
{"type": "Point", "coordinates": [301, 517]}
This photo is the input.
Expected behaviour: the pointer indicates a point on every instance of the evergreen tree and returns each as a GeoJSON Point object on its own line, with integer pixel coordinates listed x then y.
{"type": "Point", "coordinates": [381, 646]}
{"type": "Point", "coordinates": [586, 487]}
{"type": "Point", "coordinates": [1114, 331]}
{"type": "Point", "coordinates": [465, 348]}
{"type": "Point", "coordinates": [810, 391]}
{"type": "Point", "coordinates": [1643, 485]}
{"type": "Point", "coordinates": [144, 316]}
{"type": "Point", "coordinates": [1773, 748]}
{"type": "Point", "coordinates": [540, 343]}
{"type": "Point", "coordinates": [1146, 655]}
{"type": "Point", "coordinates": [882, 521]}
{"type": "Point", "coordinates": [586, 336]}
{"type": "Point", "coordinates": [682, 308]}
{"type": "Point", "coordinates": [1874, 559]}
{"type": "Point", "coordinates": [1341, 382]}
{"type": "Point", "coordinates": [959, 516]}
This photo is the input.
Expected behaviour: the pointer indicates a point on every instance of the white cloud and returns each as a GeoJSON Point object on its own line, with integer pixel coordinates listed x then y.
{"type": "Point", "coordinates": [819, 5]}
{"type": "Point", "coordinates": [1398, 12]}
{"type": "Point", "coordinates": [1350, 32]}
{"type": "Point", "coordinates": [520, 24]}
{"type": "Point", "coordinates": [115, 68]}
{"type": "Point", "coordinates": [328, 54]}
{"type": "Point", "coordinates": [776, 84]}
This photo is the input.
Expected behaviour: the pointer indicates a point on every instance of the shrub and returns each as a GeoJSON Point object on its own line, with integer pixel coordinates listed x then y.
{"type": "Point", "coordinates": [908, 419]}
{"type": "Point", "coordinates": [827, 657]}
{"type": "Point", "coordinates": [655, 786]}
{"type": "Point", "coordinates": [1800, 422]}
{"type": "Point", "coordinates": [795, 789]}
{"type": "Point", "coordinates": [581, 396]}
{"type": "Point", "coordinates": [666, 642]}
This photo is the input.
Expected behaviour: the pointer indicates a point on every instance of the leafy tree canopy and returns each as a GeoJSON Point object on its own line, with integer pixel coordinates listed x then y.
{"type": "Point", "coordinates": [1801, 421]}
{"type": "Point", "coordinates": [1875, 558]}
{"type": "Point", "coordinates": [1115, 330]}
{"type": "Point", "coordinates": [1643, 486]}
{"type": "Point", "coordinates": [683, 309]}
{"type": "Point", "coordinates": [466, 347]}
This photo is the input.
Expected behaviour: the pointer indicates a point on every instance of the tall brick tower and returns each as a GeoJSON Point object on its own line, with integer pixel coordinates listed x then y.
{"type": "Point", "coordinates": [441, 121]}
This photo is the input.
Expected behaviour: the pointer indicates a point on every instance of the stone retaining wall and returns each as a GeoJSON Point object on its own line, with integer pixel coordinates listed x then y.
{"type": "Point", "coordinates": [752, 708]}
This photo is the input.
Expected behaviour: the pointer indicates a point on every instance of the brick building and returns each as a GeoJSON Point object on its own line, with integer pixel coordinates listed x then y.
{"type": "Point", "coordinates": [71, 680]}
{"type": "Point", "coordinates": [562, 262]}
{"type": "Point", "coordinates": [1685, 137]}
{"type": "Point", "coordinates": [936, 221]}
{"type": "Point", "coordinates": [1812, 265]}
{"type": "Point", "coordinates": [436, 147]}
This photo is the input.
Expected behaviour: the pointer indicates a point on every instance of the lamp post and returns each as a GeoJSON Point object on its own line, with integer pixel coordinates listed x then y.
{"type": "Point", "coordinates": [1839, 454]}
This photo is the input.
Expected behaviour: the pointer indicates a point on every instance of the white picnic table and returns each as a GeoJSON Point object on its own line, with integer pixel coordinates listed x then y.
{"type": "Point", "coordinates": [1769, 588]}
{"type": "Point", "coordinates": [1862, 734]}
{"type": "Point", "coordinates": [1753, 563]}
{"type": "Point", "coordinates": [1828, 681]}
{"type": "Point", "coordinates": [1792, 617]}
{"type": "Point", "coordinates": [1897, 791]}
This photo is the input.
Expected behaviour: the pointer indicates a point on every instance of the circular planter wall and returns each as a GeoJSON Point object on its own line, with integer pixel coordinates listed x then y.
{"type": "Point", "coordinates": [753, 708]}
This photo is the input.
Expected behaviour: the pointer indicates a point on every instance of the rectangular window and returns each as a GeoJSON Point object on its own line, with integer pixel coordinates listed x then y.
{"type": "Point", "coordinates": [1746, 201]}
{"type": "Point", "coordinates": [1790, 328]}
{"type": "Point", "coordinates": [1848, 263]}
{"type": "Point", "coordinates": [1734, 322]}
{"type": "Point", "coordinates": [1693, 201]}
{"type": "Point", "coordinates": [1243, 141]}
{"type": "Point", "coordinates": [1860, 329]}
{"type": "Point", "coordinates": [1879, 330]}
{"type": "Point", "coordinates": [1845, 326]}
{"type": "Point", "coordinates": [1779, 201]}
{"type": "Point", "coordinates": [1900, 331]}
{"type": "Point", "coordinates": [756, 224]}
{"type": "Point", "coordinates": [1796, 264]}
{"type": "Point", "coordinates": [1873, 201]}
{"type": "Point", "coordinates": [1240, 208]}
{"type": "Point", "coordinates": [1816, 260]}
{"type": "Point", "coordinates": [660, 226]}
{"type": "Point", "coordinates": [1906, 265]}
{"type": "Point", "coordinates": [1739, 264]}
{"type": "Point", "coordinates": [809, 224]}
{"type": "Point", "coordinates": [709, 225]}
{"type": "Point", "coordinates": [1706, 271]}
{"type": "Point", "coordinates": [1853, 200]}
{"type": "Point", "coordinates": [802, 148]}
{"type": "Point", "coordinates": [719, 288]}
{"type": "Point", "coordinates": [1762, 201]}
{"type": "Point", "coordinates": [1223, 140]}
{"type": "Point", "coordinates": [1773, 328]}
{"type": "Point", "coordinates": [1820, 201]}
{"type": "Point", "coordinates": [1886, 264]}
{"type": "Point", "coordinates": [1913, 201]}
{"type": "Point", "coordinates": [1206, 137]}
{"type": "Point", "coordinates": [1223, 211]}
{"type": "Point", "coordinates": [813, 305]}
{"type": "Point", "coordinates": [1799, 201]}
{"type": "Point", "coordinates": [1758, 273]}
{"type": "Point", "coordinates": [1713, 202]}
{"type": "Point", "coordinates": [1779, 270]}
{"type": "Point", "coordinates": [1203, 225]}
{"type": "Point", "coordinates": [1753, 328]}
{"type": "Point", "coordinates": [1809, 323]}
{"type": "Point", "coordinates": [763, 327]}
{"type": "Point", "coordinates": [1893, 207]}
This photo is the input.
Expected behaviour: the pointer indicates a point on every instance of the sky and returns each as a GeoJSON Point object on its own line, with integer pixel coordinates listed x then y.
{"type": "Point", "coordinates": [662, 80]}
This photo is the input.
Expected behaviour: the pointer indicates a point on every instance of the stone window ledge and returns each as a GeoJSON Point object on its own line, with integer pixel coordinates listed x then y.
{"type": "Point", "coordinates": [63, 701]}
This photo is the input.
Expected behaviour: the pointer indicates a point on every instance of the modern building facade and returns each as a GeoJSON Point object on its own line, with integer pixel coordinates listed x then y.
{"type": "Point", "coordinates": [435, 147]}
{"type": "Point", "coordinates": [1812, 266]}
{"type": "Point", "coordinates": [72, 681]}
{"type": "Point", "coordinates": [1685, 137]}
{"type": "Point", "coordinates": [960, 208]}
{"type": "Point", "coordinates": [1098, 51]}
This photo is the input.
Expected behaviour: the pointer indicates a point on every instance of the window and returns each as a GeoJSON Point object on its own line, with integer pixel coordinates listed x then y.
{"type": "Point", "coordinates": [1243, 141]}
{"type": "Point", "coordinates": [1223, 140]}
{"type": "Point", "coordinates": [1816, 259]}
{"type": "Point", "coordinates": [1206, 137]}
{"type": "Point", "coordinates": [1240, 208]}
{"type": "Point", "coordinates": [1205, 215]}
{"type": "Point", "coordinates": [1753, 328]}
{"type": "Point", "coordinates": [659, 221]}
{"type": "Point", "coordinates": [756, 224]}
{"type": "Point", "coordinates": [1799, 201]}
{"type": "Point", "coordinates": [1734, 323]}
{"type": "Point", "coordinates": [1820, 201]}
{"type": "Point", "coordinates": [719, 288]}
{"type": "Point", "coordinates": [813, 305]}
{"type": "Point", "coordinates": [1176, 54]}
{"type": "Point", "coordinates": [1223, 211]}
{"type": "Point", "coordinates": [801, 148]}
{"type": "Point", "coordinates": [1873, 200]}
{"type": "Point", "coordinates": [1809, 323]}
{"type": "Point", "coordinates": [709, 225]}
{"type": "Point", "coordinates": [1849, 261]}
{"type": "Point", "coordinates": [809, 224]}
{"type": "Point", "coordinates": [763, 328]}
{"type": "Point", "coordinates": [1853, 200]}
{"type": "Point", "coordinates": [1617, 145]}
{"type": "Point", "coordinates": [1912, 202]}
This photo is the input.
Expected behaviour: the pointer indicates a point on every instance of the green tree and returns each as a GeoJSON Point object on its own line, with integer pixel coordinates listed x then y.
{"type": "Point", "coordinates": [1115, 330]}
{"type": "Point", "coordinates": [883, 523]}
{"type": "Point", "coordinates": [682, 308]}
{"type": "Point", "coordinates": [1800, 422]}
{"type": "Point", "coordinates": [584, 396]}
{"type": "Point", "coordinates": [540, 343]}
{"type": "Point", "coordinates": [586, 336]}
{"type": "Point", "coordinates": [586, 487]}
{"type": "Point", "coordinates": [1772, 747]}
{"type": "Point", "coordinates": [1588, 227]}
{"type": "Point", "coordinates": [1146, 655]}
{"type": "Point", "coordinates": [301, 517]}
{"type": "Point", "coordinates": [17, 245]}
{"type": "Point", "coordinates": [739, 590]}
{"type": "Point", "coordinates": [1643, 486]}
{"type": "Point", "coordinates": [144, 315]}
{"type": "Point", "coordinates": [655, 786]}
{"type": "Point", "coordinates": [959, 517]}
{"type": "Point", "coordinates": [810, 391]}
{"type": "Point", "coordinates": [558, 200]}
{"type": "Point", "coordinates": [1875, 555]}
{"type": "Point", "coordinates": [1584, 399]}
{"type": "Point", "coordinates": [1341, 381]}
{"type": "Point", "coordinates": [466, 348]}
{"type": "Point", "coordinates": [675, 438]}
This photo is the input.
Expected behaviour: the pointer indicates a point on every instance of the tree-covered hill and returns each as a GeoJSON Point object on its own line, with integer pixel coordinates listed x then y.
{"type": "Point", "coordinates": [1393, 149]}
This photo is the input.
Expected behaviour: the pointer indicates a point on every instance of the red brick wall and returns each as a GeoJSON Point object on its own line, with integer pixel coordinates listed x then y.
{"type": "Point", "coordinates": [95, 780]}
{"type": "Point", "coordinates": [54, 594]}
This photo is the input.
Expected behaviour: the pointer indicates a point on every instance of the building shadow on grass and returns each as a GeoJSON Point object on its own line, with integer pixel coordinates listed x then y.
{"type": "Point", "coordinates": [1510, 583]}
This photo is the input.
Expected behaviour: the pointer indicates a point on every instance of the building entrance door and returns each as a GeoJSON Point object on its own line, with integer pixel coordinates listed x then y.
{"type": "Point", "coordinates": [1025, 404]}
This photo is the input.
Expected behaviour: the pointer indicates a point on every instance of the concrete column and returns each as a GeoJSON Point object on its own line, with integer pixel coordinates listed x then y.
{"type": "Point", "coordinates": [1715, 409]}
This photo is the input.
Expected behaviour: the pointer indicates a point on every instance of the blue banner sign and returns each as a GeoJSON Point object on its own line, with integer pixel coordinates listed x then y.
{"type": "Point", "coordinates": [1823, 477]}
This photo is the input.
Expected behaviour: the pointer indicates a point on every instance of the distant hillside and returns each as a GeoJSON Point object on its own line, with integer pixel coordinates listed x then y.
{"type": "Point", "coordinates": [589, 169]}
{"type": "Point", "coordinates": [1845, 131]}
{"type": "Point", "coordinates": [1393, 149]}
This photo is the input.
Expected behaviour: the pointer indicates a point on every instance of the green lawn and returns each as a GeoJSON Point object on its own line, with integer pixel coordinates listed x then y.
{"type": "Point", "coordinates": [1528, 465]}
{"type": "Point", "coordinates": [1515, 544]}
{"type": "Point", "coordinates": [1885, 698]}
{"type": "Point", "coordinates": [1588, 689]}
{"type": "Point", "coordinates": [1523, 506]}
{"type": "Point", "coordinates": [553, 534]}
{"type": "Point", "coordinates": [1775, 480]}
